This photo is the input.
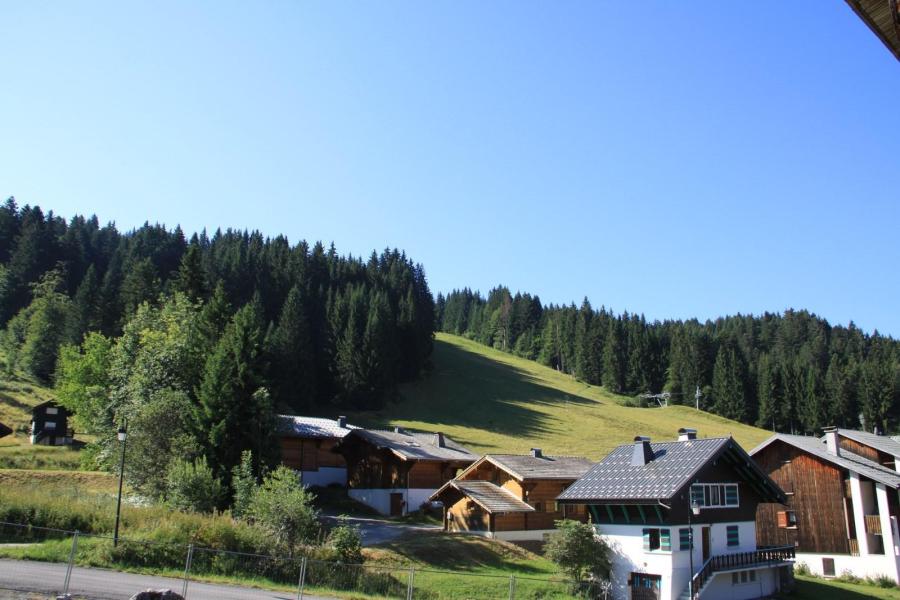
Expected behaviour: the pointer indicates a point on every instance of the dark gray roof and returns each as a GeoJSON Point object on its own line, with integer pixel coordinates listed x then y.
{"type": "Point", "coordinates": [311, 427]}
{"type": "Point", "coordinates": [490, 496]}
{"type": "Point", "coordinates": [416, 446]}
{"type": "Point", "coordinates": [545, 467]}
{"type": "Point", "coordinates": [879, 442]}
{"type": "Point", "coordinates": [847, 460]}
{"type": "Point", "coordinates": [674, 465]}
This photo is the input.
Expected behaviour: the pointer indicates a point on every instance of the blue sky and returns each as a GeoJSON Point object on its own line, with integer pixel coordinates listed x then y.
{"type": "Point", "coordinates": [678, 159]}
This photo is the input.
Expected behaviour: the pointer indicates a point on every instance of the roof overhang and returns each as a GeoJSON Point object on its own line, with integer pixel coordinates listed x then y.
{"type": "Point", "coordinates": [883, 18]}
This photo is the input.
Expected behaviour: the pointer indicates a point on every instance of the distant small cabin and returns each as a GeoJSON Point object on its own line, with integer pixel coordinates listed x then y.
{"type": "Point", "coordinates": [396, 472]}
{"type": "Point", "coordinates": [307, 445]}
{"type": "Point", "coordinates": [512, 497]}
{"type": "Point", "coordinates": [5, 431]}
{"type": "Point", "coordinates": [50, 425]}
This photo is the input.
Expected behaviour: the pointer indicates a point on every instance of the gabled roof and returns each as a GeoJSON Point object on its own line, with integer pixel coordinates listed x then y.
{"type": "Point", "coordinates": [311, 427]}
{"type": "Point", "coordinates": [415, 446]}
{"type": "Point", "coordinates": [489, 496]}
{"type": "Point", "coordinates": [881, 17]}
{"type": "Point", "coordinates": [527, 466]}
{"type": "Point", "coordinates": [614, 480]}
{"type": "Point", "coordinates": [4, 430]}
{"type": "Point", "coordinates": [846, 460]}
{"type": "Point", "coordinates": [879, 442]}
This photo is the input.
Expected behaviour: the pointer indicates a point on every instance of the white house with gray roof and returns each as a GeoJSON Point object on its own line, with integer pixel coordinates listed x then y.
{"type": "Point", "coordinates": [680, 520]}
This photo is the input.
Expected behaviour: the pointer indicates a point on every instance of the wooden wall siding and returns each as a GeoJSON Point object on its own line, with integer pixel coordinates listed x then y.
{"type": "Point", "coordinates": [882, 458]}
{"type": "Point", "coordinates": [466, 516]}
{"type": "Point", "coordinates": [512, 522]}
{"type": "Point", "coordinates": [308, 454]}
{"type": "Point", "coordinates": [378, 470]}
{"type": "Point", "coordinates": [430, 475]}
{"type": "Point", "coordinates": [817, 500]}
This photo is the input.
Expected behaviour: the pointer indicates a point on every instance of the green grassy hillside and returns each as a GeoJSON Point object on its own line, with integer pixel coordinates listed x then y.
{"type": "Point", "coordinates": [495, 402]}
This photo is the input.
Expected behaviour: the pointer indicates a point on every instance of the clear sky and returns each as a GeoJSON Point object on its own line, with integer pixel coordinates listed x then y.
{"type": "Point", "coordinates": [678, 159]}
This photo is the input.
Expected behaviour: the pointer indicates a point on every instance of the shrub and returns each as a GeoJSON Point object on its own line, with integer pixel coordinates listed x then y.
{"type": "Point", "coordinates": [577, 550]}
{"type": "Point", "coordinates": [192, 486]}
{"type": "Point", "coordinates": [801, 568]}
{"type": "Point", "coordinates": [243, 484]}
{"type": "Point", "coordinates": [346, 543]}
{"type": "Point", "coordinates": [883, 581]}
{"type": "Point", "coordinates": [283, 507]}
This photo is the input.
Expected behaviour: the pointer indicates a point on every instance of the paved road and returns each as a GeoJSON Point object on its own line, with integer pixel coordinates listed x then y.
{"type": "Point", "coordinates": [104, 584]}
{"type": "Point", "coordinates": [377, 531]}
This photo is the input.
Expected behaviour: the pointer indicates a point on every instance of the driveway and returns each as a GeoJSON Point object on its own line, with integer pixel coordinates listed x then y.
{"type": "Point", "coordinates": [103, 584]}
{"type": "Point", "coordinates": [375, 531]}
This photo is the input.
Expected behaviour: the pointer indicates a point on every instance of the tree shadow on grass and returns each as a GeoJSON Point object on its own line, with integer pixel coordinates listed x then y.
{"type": "Point", "coordinates": [807, 589]}
{"type": "Point", "coordinates": [472, 390]}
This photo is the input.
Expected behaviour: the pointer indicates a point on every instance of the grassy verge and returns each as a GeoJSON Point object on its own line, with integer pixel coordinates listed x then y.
{"type": "Point", "coordinates": [495, 402]}
{"type": "Point", "coordinates": [813, 588]}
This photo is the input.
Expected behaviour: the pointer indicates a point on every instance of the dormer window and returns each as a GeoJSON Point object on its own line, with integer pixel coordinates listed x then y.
{"type": "Point", "coordinates": [715, 495]}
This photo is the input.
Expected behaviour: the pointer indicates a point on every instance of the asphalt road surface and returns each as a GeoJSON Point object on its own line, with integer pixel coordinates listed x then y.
{"type": "Point", "coordinates": [102, 584]}
{"type": "Point", "coordinates": [378, 531]}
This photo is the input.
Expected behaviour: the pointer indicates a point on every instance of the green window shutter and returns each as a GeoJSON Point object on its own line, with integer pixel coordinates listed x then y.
{"type": "Point", "coordinates": [665, 540]}
{"type": "Point", "coordinates": [646, 540]}
{"type": "Point", "coordinates": [731, 495]}
{"type": "Point", "coordinates": [733, 536]}
{"type": "Point", "coordinates": [684, 539]}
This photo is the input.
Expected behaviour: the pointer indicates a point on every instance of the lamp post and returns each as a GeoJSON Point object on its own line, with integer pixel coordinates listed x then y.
{"type": "Point", "coordinates": [695, 511]}
{"type": "Point", "coordinates": [122, 435]}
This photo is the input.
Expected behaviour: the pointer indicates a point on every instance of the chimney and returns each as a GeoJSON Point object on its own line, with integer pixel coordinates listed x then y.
{"type": "Point", "coordinates": [536, 453]}
{"type": "Point", "coordinates": [342, 422]}
{"type": "Point", "coordinates": [439, 440]}
{"type": "Point", "coordinates": [686, 434]}
{"type": "Point", "coordinates": [642, 453]}
{"type": "Point", "coordinates": [398, 429]}
{"type": "Point", "coordinates": [831, 441]}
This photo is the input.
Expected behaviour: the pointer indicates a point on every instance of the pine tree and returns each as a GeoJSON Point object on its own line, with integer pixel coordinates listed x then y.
{"type": "Point", "coordinates": [728, 384]}
{"type": "Point", "coordinates": [613, 359]}
{"type": "Point", "coordinates": [292, 355]}
{"type": "Point", "coordinates": [45, 331]}
{"type": "Point", "coordinates": [191, 278]}
{"type": "Point", "coordinates": [768, 394]}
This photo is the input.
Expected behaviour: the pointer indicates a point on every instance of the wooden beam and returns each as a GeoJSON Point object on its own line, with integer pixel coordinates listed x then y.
{"type": "Point", "coordinates": [609, 511]}
{"type": "Point", "coordinates": [643, 516]}
{"type": "Point", "coordinates": [658, 512]}
{"type": "Point", "coordinates": [625, 512]}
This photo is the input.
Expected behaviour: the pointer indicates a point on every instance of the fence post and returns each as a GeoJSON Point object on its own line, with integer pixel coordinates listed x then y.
{"type": "Point", "coordinates": [512, 587]}
{"type": "Point", "coordinates": [409, 586]}
{"type": "Point", "coordinates": [187, 569]}
{"type": "Point", "coordinates": [71, 563]}
{"type": "Point", "coordinates": [302, 581]}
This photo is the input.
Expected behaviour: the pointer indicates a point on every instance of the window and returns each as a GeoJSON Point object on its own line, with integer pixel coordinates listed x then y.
{"type": "Point", "coordinates": [715, 495]}
{"type": "Point", "coordinates": [657, 539]}
{"type": "Point", "coordinates": [740, 577]}
{"type": "Point", "coordinates": [539, 506]}
{"type": "Point", "coordinates": [684, 539]}
{"type": "Point", "coordinates": [828, 567]}
{"type": "Point", "coordinates": [50, 425]}
{"type": "Point", "coordinates": [733, 535]}
{"type": "Point", "coordinates": [52, 411]}
{"type": "Point", "coordinates": [787, 519]}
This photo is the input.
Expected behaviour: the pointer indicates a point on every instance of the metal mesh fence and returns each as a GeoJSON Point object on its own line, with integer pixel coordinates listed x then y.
{"type": "Point", "coordinates": [51, 562]}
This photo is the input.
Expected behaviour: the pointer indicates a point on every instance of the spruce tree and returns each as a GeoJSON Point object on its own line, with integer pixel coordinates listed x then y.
{"type": "Point", "coordinates": [292, 355]}
{"type": "Point", "coordinates": [613, 359]}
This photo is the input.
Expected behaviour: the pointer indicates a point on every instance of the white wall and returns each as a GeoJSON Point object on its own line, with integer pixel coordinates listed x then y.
{"type": "Point", "coordinates": [872, 566]}
{"type": "Point", "coordinates": [325, 476]}
{"type": "Point", "coordinates": [380, 499]}
{"type": "Point", "coordinates": [720, 587]}
{"type": "Point", "coordinates": [523, 535]}
{"type": "Point", "coordinates": [627, 544]}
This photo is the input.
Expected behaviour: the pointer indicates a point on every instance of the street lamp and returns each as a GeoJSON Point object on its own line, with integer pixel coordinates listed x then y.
{"type": "Point", "coordinates": [695, 511]}
{"type": "Point", "coordinates": [122, 434]}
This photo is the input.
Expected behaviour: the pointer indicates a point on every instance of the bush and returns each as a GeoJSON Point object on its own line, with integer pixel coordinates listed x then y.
{"type": "Point", "coordinates": [801, 568]}
{"type": "Point", "coordinates": [283, 507]}
{"type": "Point", "coordinates": [577, 550]}
{"type": "Point", "coordinates": [192, 486]}
{"type": "Point", "coordinates": [883, 581]}
{"type": "Point", "coordinates": [346, 543]}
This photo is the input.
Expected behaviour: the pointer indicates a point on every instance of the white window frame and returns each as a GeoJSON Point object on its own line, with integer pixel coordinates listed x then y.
{"type": "Point", "coordinates": [708, 492]}
{"type": "Point", "coordinates": [50, 425]}
{"type": "Point", "coordinates": [52, 411]}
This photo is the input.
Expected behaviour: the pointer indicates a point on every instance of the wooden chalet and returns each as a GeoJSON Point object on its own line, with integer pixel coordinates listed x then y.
{"type": "Point", "coordinates": [883, 18]}
{"type": "Point", "coordinates": [842, 505]}
{"type": "Point", "coordinates": [50, 425]}
{"type": "Point", "coordinates": [396, 472]}
{"type": "Point", "coordinates": [5, 431]}
{"type": "Point", "coordinates": [680, 519]}
{"type": "Point", "coordinates": [307, 446]}
{"type": "Point", "coordinates": [511, 497]}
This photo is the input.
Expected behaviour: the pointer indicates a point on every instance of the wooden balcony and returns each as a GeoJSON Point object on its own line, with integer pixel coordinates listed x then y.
{"type": "Point", "coordinates": [740, 560]}
{"type": "Point", "coordinates": [854, 547]}
{"type": "Point", "coordinates": [873, 524]}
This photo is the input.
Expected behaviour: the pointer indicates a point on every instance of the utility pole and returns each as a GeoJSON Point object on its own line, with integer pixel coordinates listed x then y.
{"type": "Point", "coordinates": [697, 395]}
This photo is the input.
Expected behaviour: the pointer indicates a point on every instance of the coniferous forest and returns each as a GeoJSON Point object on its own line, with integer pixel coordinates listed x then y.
{"type": "Point", "coordinates": [791, 372]}
{"type": "Point", "coordinates": [210, 335]}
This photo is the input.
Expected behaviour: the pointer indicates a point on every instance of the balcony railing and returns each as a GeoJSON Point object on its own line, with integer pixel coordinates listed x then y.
{"type": "Point", "coordinates": [873, 524]}
{"type": "Point", "coordinates": [854, 547]}
{"type": "Point", "coordinates": [740, 560]}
